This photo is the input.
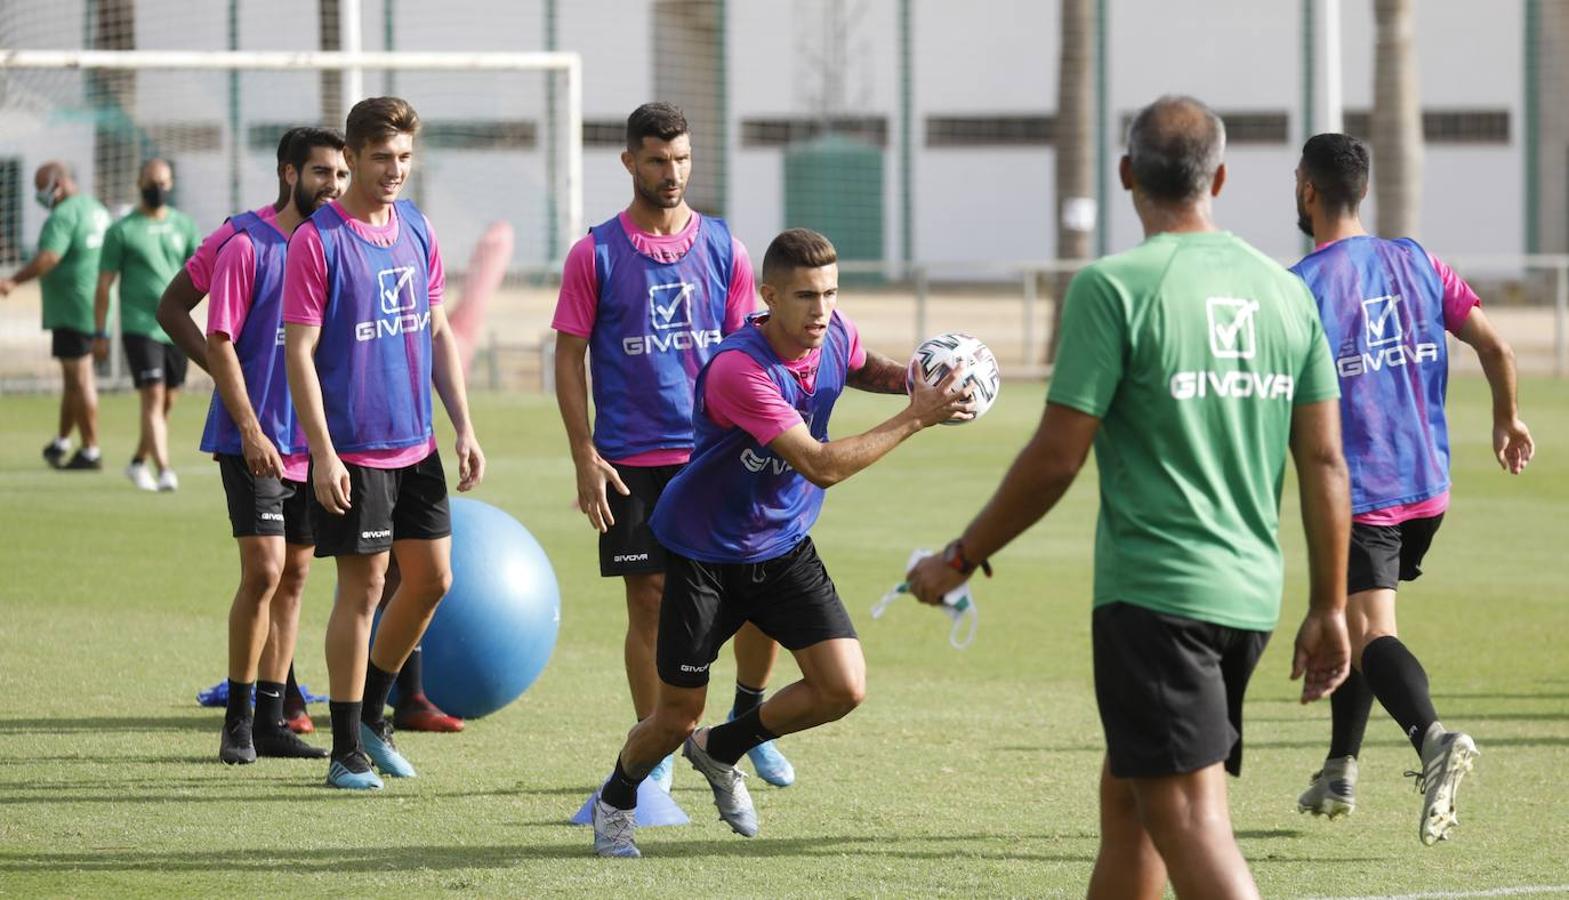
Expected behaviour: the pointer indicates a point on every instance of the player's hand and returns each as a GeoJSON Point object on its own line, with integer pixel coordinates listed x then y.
{"type": "Point", "coordinates": [261, 457]}
{"type": "Point", "coordinates": [1323, 654]}
{"type": "Point", "coordinates": [6, 286]}
{"type": "Point", "coordinates": [330, 478]}
{"type": "Point", "coordinates": [100, 349]}
{"type": "Point", "coordinates": [931, 579]}
{"type": "Point", "coordinates": [942, 403]}
{"type": "Point", "coordinates": [1512, 445]}
{"type": "Point", "coordinates": [594, 475]}
{"type": "Point", "coordinates": [471, 462]}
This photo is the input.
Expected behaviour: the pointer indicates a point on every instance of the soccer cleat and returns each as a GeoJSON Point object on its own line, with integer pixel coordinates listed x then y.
{"type": "Point", "coordinates": [168, 481]}
{"type": "Point", "coordinates": [1332, 789]}
{"type": "Point", "coordinates": [300, 722]}
{"type": "Point", "coordinates": [664, 773]}
{"type": "Point", "coordinates": [1446, 758]}
{"type": "Point", "coordinates": [281, 743]}
{"type": "Point", "coordinates": [378, 746]}
{"type": "Point", "coordinates": [614, 831]}
{"type": "Point", "coordinates": [729, 787]}
{"type": "Point", "coordinates": [770, 764]}
{"type": "Point", "coordinates": [139, 476]}
{"type": "Point", "coordinates": [54, 453]}
{"type": "Point", "coordinates": [353, 773]}
{"type": "Point", "coordinates": [81, 462]}
{"type": "Point", "coordinates": [419, 714]}
{"type": "Point", "coordinates": [236, 746]}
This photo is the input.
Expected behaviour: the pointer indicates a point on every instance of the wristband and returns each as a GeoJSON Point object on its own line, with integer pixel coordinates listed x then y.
{"type": "Point", "coordinates": [953, 556]}
{"type": "Point", "coordinates": [100, 335]}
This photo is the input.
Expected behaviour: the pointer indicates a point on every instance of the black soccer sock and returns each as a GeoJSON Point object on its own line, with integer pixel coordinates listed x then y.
{"type": "Point", "coordinates": [294, 698]}
{"type": "Point", "coordinates": [746, 698]}
{"type": "Point", "coordinates": [345, 727]}
{"type": "Point", "coordinates": [411, 678]}
{"type": "Point", "coordinates": [1349, 706]}
{"type": "Point", "coordinates": [621, 790]}
{"type": "Point", "coordinates": [239, 700]}
{"type": "Point", "coordinates": [1400, 684]}
{"type": "Point", "coordinates": [378, 682]}
{"type": "Point", "coordinates": [730, 741]}
{"type": "Point", "coordinates": [269, 705]}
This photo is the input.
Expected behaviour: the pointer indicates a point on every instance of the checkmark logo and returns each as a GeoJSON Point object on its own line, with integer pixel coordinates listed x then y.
{"type": "Point", "coordinates": [670, 305]}
{"type": "Point", "coordinates": [1382, 317]}
{"type": "Point", "coordinates": [396, 289]}
{"type": "Point", "coordinates": [1232, 334]}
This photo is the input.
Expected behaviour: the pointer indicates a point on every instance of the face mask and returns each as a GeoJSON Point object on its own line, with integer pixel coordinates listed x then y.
{"type": "Point", "coordinates": [155, 195]}
{"type": "Point", "coordinates": [46, 196]}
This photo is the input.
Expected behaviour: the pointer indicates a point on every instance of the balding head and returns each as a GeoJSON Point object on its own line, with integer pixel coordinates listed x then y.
{"type": "Point", "coordinates": [52, 172]}
{"type": "Point", "coordinates": [1175, 147]}
{"type": "Point", "coordinates": [155, 170]}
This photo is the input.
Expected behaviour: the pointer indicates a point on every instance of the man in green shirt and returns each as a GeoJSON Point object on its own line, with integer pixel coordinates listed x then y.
{"type": "Point", "coordinates": [1191, 363]}
{"type": "Point", "coordinates": [145, 250]}
{"type": "Point", "coordinates": [65, 265]}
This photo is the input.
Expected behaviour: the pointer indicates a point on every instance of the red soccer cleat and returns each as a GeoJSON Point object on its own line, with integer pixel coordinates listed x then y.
{"type": "Point", "coordinates": [300, 723]}
{"type": "Point", "coordinates": [419, 714]}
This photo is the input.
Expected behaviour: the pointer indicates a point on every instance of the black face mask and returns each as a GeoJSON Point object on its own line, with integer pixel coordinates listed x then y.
{"type": "Point", "coordinates": [155, 195]}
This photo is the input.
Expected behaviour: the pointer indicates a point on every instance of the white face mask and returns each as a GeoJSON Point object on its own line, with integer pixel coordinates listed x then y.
{"type": "Point", "coordinates": [45, 195]}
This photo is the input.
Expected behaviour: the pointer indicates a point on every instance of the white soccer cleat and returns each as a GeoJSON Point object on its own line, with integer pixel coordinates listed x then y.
{"type": "Point", "coordinates": [1446, 758]}
{"type": "Point", "coordinates": [615, 831]}
{"type": "Point", "coordinates": [1332, 789]}
{"type": "Point", "coordinates": [168, 481]}
{"type": "Point", "coordinates": [729, 786]}
{"type": "Point", "coordinates": [139, 475]}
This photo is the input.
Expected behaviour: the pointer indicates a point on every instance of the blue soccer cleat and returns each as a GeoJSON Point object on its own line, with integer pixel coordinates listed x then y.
{"type": "Point", "coordinates": [664, 773]}
{"type": "Point", "coordinates": [353, 774]}
{"type": "Point", "coordinates": [769, 763]}
{"type": "Point", "coordinates": [379, 747]}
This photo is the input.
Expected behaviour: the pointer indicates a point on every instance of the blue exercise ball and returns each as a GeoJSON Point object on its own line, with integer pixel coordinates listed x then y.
{"type": "Point", "coordinates": [494, 631]}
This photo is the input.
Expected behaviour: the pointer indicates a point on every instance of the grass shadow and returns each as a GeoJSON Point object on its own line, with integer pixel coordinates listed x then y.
{"type": "Point", "coordinates": [105, 724]}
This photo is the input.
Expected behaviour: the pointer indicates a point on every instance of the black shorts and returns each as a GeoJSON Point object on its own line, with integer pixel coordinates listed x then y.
{"type": "Point", "coordinates": [1170, 690]}
{"type": "Point", "coordinates": [385, 505]}
{"type": "Point", "coordinates": [629, 548]}
{"type": "Point", "coordinates": [790, 598]}
{"type": "Point", "coordinates": [68, 343]}
{"type": "Point", "coordinates": [153, 362]}
{"type": "Point", "coordinates": [265, 507]}
{"type": "Point", "coordinates": [1382, 556]}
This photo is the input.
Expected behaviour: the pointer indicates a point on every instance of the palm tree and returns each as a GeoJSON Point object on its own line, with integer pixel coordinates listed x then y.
{"type": "Point", "coordinates": [1074, 139]}
{"type": "Point", "coordinates": [1397, 119]}
{"type": "Point", "coordinates": [329, 22]}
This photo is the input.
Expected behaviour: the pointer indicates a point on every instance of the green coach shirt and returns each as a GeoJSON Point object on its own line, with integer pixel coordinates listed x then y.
{"type": "Point", "coordinates": [1192, 349]}
{"type": "Point", "coordinates": [75, 232]}
{"type": "Point", "coordinates": [147, 252]}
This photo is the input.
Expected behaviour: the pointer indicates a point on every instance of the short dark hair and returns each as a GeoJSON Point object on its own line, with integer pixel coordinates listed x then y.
{"type": "Point", "coordinates": [284, 141]}
{"type": "Point", "coordinates": [1337, 166]}
{"type": "Point", "coordinates": [379, 118]}
{"type": "Point", "coordinates": [1175, 146]}
{"type": "Point", "coordinates": [308, 139]}
{"type": "Point", "coordinates": [665, 121]}
{"type": "Point", "coordinates": [797, 248]}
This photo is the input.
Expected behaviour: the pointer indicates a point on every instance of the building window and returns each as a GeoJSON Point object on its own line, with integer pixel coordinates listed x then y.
{"type": "Point", "coordinates": [1444, 126]}
{"type": "Point", "coordinates": [10, 211]}
{"type": "Point", "coordinates": [1244, 126]}
{"type": "Point", "coordinates": [989, 131]}
{"type": "Point", "coordinates": [778, 132]}
{"type": "Point", "coordinates": [604, 133]}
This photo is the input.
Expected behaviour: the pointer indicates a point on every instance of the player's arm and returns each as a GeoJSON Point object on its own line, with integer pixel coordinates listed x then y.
{"type": "Point", "coordinates": [42, 263]}
{"type": "Point", "coordinates": [595, 475]}
{"type": "Point", "coordinates": [1512, 443]}
{"type": "Point", "coordinates": [101, 315]}
{"type": "Point", "coordinates": [261, 457]}
{"type": "Point", "coordinates": [174, 316]}
{"type": "Point", "coordinates": [447, 374]}
{"type": "Point", "coordinates": [880, 375]}
{"type": "Point", "coordinates": [827, 464]}
{"type": "Point", "coordinates": [1323, 652]}
{"type": "Point", "coordinates": [329, 476]}
{"type": "Point", "coordinates": [1039, 476]}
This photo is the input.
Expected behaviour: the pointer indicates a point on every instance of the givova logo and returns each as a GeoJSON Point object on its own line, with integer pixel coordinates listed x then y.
{"type": "Point", "coordinates": [670, 315]}
{"type": "Point", "coordinates": [395, 298]}
{"type": "Point", "coordinates": [1233, 334]}
{"type": "Point", "coordinates": [1385, 333]}
{"type": "Point", "coordinates": [1381, 319]}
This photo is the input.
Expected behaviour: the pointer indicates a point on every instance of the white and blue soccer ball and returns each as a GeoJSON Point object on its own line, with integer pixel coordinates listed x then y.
{"type": "Point", "coordinates": [937, 356]}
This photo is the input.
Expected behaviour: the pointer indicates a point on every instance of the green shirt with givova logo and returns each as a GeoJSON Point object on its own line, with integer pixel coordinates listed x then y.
{"type": "Point", "coordinates": [1193, 350]}
{"type": "Point", "coordinates": [147, 252]}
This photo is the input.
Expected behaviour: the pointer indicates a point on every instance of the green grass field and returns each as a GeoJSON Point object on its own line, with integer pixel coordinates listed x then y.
{"type": "Point", "coordinates": [964, 774]}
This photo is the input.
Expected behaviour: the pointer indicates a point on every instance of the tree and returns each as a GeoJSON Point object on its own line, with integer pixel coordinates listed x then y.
{"type": "Point", "coordinates": [1397, 119]}
{"type": "Point", "coordinates": [1073, 136]}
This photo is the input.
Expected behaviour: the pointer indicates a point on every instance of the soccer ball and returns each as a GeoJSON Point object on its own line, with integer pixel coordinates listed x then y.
{"type": "Point", "coordinates": [938, 356]}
